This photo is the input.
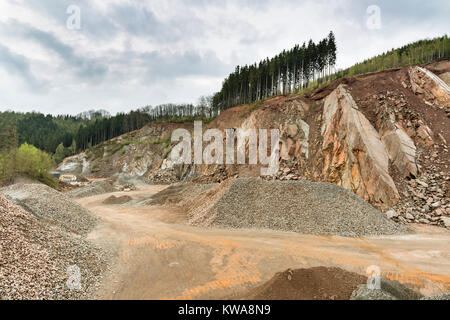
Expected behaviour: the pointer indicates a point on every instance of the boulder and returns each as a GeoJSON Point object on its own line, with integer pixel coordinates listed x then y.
{"type": "Point", "coordinates": [401, 150]}
{"type": "Point", "coordinates": [391, 214]}
{"type": "Point", "coordinates": [446, 221]}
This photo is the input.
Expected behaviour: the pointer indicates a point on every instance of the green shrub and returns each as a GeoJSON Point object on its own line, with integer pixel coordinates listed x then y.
{"type": "Point", "coordinates": [32, 161]}
{"type": "Point", "coordinates": [27, 160]}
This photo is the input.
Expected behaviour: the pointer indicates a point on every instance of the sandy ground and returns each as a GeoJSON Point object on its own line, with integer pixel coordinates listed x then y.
{"type": "Point", "coordinates": [160, 257]}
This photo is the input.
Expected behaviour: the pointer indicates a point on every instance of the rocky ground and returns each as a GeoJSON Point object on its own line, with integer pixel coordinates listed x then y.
{"type": "Point", "coordinates": [94, 188]}
{"type": "Point", "coordinates": [41, 260]}
{"type": "Point", "coordinates": [330, 283]}
{"type": "Point", "coordinates": [379, 135]}
{"type": "Point", "coordinates": [51, 206]}
{"type": "Point", "coordinates": [298, 206]}
{"type": "Point", "coordinates": [424, 201]}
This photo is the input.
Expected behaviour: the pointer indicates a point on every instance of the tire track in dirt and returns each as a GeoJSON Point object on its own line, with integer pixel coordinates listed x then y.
{"type": "Point", "coordinates": [160, 257]}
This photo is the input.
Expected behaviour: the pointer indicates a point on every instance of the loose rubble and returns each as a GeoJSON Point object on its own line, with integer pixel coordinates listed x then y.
{"type": "Point", "coordinates": [298, 206]}
{"type": "Point", "coordinates": [36, 256]}
{"type": "Point", "coordinates": [425, 200]}
{"type": "Point", "coordinates": [389, 290]}
{"type": "Point", "coordinates": [92, 189]}
{"type": "Point", "coordinates": [51, 206]}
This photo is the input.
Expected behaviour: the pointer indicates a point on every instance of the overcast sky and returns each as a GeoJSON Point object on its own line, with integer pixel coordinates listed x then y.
{"type": "Point", "coordinates": [131, 53]}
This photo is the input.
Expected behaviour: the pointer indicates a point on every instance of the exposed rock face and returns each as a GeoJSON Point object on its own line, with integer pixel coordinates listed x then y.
{"type": "Point", "coordinates": [294, 131]}
{"type": "Point", "coordinates": [432, 88]}
{"type": "Point", "coordinates": [295, 140]}
{"type": "Point", "coordinates": [445, 77]}
{"type": "Point", "coordinates": [76, 164]}
{"type": "Point", "coordinates": [138, 153]}
{"type": "Point", "coordinates": [401, 150]}
{"type": "Point", "coordinates": [354, 155]}
{"type": "Point", "coordinates": [378, 135]}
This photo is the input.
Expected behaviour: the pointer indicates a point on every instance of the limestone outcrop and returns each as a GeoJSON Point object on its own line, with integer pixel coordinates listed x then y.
{"type": "Point", "coordinates": [354, 155]}
{"type": "Point", "coordinates": [432, 88]}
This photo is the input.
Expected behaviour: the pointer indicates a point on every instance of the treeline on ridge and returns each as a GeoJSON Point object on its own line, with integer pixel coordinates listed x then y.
{"type": "Point", "coordinates": [65, 135]}
{"type": "Point", "coordinates": [306, 66]}
{"type": "Point", "coordinates": [419, 52]}
{"type": "Point", "coordinates": [287, 72]}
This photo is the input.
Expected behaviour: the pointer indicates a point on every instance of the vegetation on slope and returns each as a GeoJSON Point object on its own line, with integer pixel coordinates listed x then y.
{"type": "Point", "coordinates": [66, 135]}
{"type": "Point", "coordinates": [287, 72]}
{"type": "Point", "coordinates": [419, 52]}
{"type": "Point", "coordinates": [306, 67]}
{"type": "Point", "coordinates": [297, 70]}
{"type": "Point", "coordinates": [27, 160]}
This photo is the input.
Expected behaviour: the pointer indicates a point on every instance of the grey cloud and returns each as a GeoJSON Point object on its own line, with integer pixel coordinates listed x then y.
{"type": "Point", "coordinates": [189, 63]}
{"type": "Point", "coordinates": [131, 18]}
{"type": "Point", "coordinates": [187, 43]}
{"type": "Point", "coordinates": [400, 13]}
{"type": "Point", "coordinates": [163, 65]}
{"type": "Point", "coordinates": [19, 65]}
{"type": "Point", "coordinates": [92, 22]}
{"type": "Point", "coordinates": [143, 23]}
{"type": "Point", "coordinates": [84, 67]}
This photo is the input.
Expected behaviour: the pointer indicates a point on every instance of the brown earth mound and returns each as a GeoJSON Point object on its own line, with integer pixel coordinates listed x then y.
{"type": "Point", "coordinates": [320, 283]}
{"type": "Point", "coordinates": [117, 200]}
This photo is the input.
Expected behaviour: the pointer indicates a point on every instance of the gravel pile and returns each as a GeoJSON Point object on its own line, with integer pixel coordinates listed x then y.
{"type": "Point", "coordinates": [298, 206]}
{"type": "Point", "coordinates": [426, 200]}
{"type": "Point", "coordinates": [442, 296]}
{"type": "Point", "coordinates": [178, 194]}
{"type": "Point", "coordinates": [389, 290]}
{"type": "Point", "coordinates": [93, 189]}
{"type": "Point", "coordinates": [35, 258]}
{"type": "Point", "coordinates": [51, 206]}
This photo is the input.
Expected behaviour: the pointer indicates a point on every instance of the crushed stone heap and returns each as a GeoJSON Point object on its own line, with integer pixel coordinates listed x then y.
{"type": "Point", "coordinates": [52, 206]}
{"type": "Point", "coordinates": [298, 206]}
{"type": "Point", "coordinates": [35, 257]}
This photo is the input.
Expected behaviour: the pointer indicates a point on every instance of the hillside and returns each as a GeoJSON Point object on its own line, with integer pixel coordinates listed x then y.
{"type": "Point", "coordinates": [382, 135]}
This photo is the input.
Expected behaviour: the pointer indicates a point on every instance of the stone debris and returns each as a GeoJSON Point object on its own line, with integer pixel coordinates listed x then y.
{"type": "Point", "coordinates": [178, 194]}
{"type": "Point", "coordinates": [298, 206]}
{"type": "Point", "coordinates": [442, 296]}
{"type": "Point", "coordinates": [51, 206]}
{"type": "Point", "coordinates": [425, 201]}
{"type": "Point", "coordinates": [36, 256]}
{"type": "Point", "coordinates": [389, 290]}
{"type": "Point", "coordinates": [92, 189]}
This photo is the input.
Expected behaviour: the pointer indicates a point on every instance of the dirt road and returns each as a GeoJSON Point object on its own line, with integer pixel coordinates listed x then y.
{"type": "Point", "coordinates": [159, 256]}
